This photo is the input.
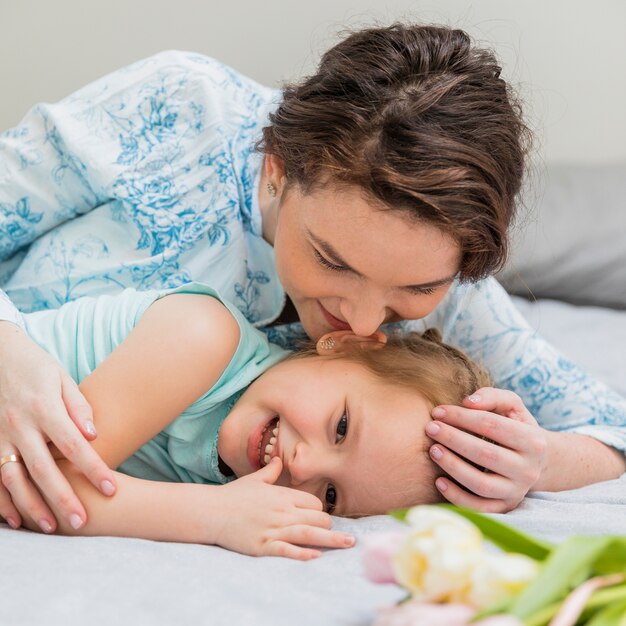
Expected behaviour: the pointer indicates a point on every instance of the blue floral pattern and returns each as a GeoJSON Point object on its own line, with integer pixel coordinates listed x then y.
{"type": "Point", "coordinates": [148, 178]}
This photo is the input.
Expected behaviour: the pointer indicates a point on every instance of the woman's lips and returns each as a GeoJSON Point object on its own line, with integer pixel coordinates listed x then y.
{"type": "Point", "coordinates": [337, 324]}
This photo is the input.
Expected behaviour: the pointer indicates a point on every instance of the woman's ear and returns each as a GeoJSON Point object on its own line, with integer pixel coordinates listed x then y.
{"type": "Point", "coordinates": [337, 341]}
{"type": "Point", "coordinates": [275, 171]}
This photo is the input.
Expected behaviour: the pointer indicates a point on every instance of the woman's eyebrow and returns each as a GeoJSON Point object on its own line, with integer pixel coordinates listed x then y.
{"type": "Point", "coordinates": [336, 258]}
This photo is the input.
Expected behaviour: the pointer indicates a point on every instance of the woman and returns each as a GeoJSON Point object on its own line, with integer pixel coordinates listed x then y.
{"type": "Point", "coordinates": [385, 194]}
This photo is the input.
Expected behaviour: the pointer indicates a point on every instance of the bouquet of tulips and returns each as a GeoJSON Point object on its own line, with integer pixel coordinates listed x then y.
{"type": "Point", "coordinates": [460, 567]}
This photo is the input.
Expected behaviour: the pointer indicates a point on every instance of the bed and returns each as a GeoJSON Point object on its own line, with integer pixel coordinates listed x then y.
{"type": "Point", "coordinates": [61, 580]}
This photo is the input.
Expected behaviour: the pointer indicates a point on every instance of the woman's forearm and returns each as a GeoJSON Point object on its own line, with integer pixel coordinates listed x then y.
{"type": "Point", "coordinates": [574, 460]}
{"type": "Point", "coordinates": [145, 509]}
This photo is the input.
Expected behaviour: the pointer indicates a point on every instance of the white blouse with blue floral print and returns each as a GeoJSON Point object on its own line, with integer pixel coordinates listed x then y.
{"type": "Point", "coordinates": [148, 178]}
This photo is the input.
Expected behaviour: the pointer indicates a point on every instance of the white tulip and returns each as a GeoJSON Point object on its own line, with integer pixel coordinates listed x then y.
{"type": "Point", "coordinates": [437, 559]}
{"type": "Point", "coordinates": [498, 576]}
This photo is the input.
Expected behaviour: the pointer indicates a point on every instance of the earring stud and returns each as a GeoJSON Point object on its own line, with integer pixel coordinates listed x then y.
{"type": "Point", "coordinates": [271, 190]}
{"type": "Point", "coordinates": [326, 344]}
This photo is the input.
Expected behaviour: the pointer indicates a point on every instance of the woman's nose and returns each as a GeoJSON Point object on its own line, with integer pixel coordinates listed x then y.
{"type": "Point", "coordinates": [365, 314]}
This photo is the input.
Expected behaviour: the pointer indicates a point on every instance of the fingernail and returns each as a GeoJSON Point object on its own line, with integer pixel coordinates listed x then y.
{"type": "Point", "coordinates": [348, 541]}
{"type": "Point", "coordinates": [12, 523]}
{"type": "Point", "coordinates": [438, 412]}
{"type": "Point", "coordinates": [45, 525]}
{"type": "Point", "coordinates": [432, 428]}
{"type": "Point", "coordinates": [75, 521]}
{"type": "Point", "coordinates": [90, 428]}
{"type": "Point", "coordinates": [436, 453]}
{"type": "Point", "coordinates": [107, 487]}
{"type": "Point", "coordinates": [441, 485]}
{"type": "Point", "coordinates": [474, 398]}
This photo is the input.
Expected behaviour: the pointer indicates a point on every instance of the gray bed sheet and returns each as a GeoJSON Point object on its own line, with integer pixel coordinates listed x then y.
{"type": "Point", "coordinates": [103, 580]}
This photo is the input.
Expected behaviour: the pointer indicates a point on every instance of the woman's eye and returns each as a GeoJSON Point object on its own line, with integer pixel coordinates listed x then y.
{"type": "Point", "coordinates": [342, 426]}
{"type": "Point", "coordinates": [423, 291]}
{"type": "Point", "coordinates": [327, 264]}
{"type": "Point", "coordinates": [331, 499]}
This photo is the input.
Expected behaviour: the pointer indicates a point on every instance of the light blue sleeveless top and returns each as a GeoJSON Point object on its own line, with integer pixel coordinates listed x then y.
{"type": "Point", "coordinates": [82, 333]}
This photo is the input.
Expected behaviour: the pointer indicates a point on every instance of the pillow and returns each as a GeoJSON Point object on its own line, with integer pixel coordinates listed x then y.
{"type": "Point", "coordinates": [571, 245]}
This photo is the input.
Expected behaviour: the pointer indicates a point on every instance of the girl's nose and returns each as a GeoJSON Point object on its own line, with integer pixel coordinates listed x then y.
{"type": "Point", "coordinates": [301, 467]}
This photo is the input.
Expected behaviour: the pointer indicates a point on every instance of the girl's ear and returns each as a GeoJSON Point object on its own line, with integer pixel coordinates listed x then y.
{"type": "Point", "coordinates": [336, 341]}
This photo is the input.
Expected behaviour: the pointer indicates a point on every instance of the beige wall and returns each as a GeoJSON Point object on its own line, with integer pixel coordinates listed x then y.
{"type": "Point", "coordinates": [568, 55]}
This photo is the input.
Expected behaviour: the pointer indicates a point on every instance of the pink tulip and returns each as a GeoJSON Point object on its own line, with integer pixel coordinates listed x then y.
{"type": "Point", "coordinates": [419, 614]}
{"type": "Point", "coordinates": [378, 549]}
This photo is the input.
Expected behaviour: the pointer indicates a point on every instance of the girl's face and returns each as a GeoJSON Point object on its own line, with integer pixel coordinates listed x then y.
{"type": "Point", "coordinates": [346, 265]}
{"type": "Point", "coordinates": [343, 435]}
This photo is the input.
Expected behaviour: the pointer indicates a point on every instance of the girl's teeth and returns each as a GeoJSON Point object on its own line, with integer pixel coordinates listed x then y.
{"type": "Point", "coordinates": [270, 446]}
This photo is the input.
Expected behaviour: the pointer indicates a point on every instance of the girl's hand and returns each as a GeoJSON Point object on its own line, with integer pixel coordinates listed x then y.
{"type": "Point", "coordinates": [495, 431]}
{"type": "Point", "coordinates": [263, 519]}
{"type": "Point", "coordinates": [39, 403]}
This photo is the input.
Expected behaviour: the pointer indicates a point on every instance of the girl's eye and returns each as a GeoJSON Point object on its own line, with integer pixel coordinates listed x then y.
{"type": "Point", "coordinates": [326, 263]}
{"type": "Point", "coordinates": [331, 499]}
{"type": "Point", "coordinates": [342, 426]}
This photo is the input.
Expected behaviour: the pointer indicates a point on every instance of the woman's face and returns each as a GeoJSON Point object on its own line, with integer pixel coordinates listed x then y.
{"type": "Point", "coordinates": [346, 265]}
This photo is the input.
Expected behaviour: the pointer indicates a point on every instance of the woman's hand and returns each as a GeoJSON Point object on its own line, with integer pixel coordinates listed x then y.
{"type": "Point", "coordinates": [264, 519]}
{"type": "Point", "coordinates": [495, 431]}
{"type": "Point", "coordinates": [39, 403]}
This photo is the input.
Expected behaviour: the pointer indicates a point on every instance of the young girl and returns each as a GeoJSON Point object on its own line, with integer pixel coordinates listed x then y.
{"type": "Point", "coordinates": [184, 389]}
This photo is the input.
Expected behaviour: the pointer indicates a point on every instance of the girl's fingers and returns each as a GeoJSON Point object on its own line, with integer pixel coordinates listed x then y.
{"type": "Point", "coordinates": [284, 549]}
{"type": "Point", "coordinates": [481, 483]}
{"type": "Point", "coordinates": [484, 453]}
{"type": "Point", "coordinates": [304, 534]}
{"type": "Point", "coordinates": [454, 494]}
{"type": "Point", "coordinates": [310, 517]}
{"type": "Point", "coordinates": [25, 497]}
{"type": "Point", "coordinates": [500, 401]}
{"type": "Point", "coordinates": [8, 510]}
{"type": "Point", "coordinates": [502, 430]}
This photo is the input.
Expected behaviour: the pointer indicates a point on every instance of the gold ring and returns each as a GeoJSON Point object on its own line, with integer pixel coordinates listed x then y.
{"type": "Point", "coordinates": [10, 458]}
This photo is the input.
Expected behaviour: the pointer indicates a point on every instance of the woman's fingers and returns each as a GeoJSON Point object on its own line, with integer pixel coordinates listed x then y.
{"type": "Point", "coordinates": [492, 486]}
{"type": "Point", "coordinates": [48, 477]}
{"type": "Point", "coordinates": [485, 454]}
{"type": "Point", "coordinates": [73, 446]}
{"type": "Point", "coordinates": [25, 497]}
{"type": "Point", "coordinates": [77, 407]}
{"type": "Point", "coordinates": [8, 510]}
{"type": "Point", "coordinates": [502, 430]}
{"type": "Point", "coordinates": [500, 401]}
{"type": "Point", "coordinates": [456, 495]}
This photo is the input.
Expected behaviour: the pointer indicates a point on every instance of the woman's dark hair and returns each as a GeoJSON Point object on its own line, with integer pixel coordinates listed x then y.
{"type": "Point", "coordinates": [420, 120]}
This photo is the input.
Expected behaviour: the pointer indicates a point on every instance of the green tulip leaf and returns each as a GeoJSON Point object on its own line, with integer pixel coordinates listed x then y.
{"type": "Point", "coordinates": [567, 566]}
{"type": "Point", "coordinates": [505, 537]}
{"type": "Point", "coordinates": [612, 615]}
